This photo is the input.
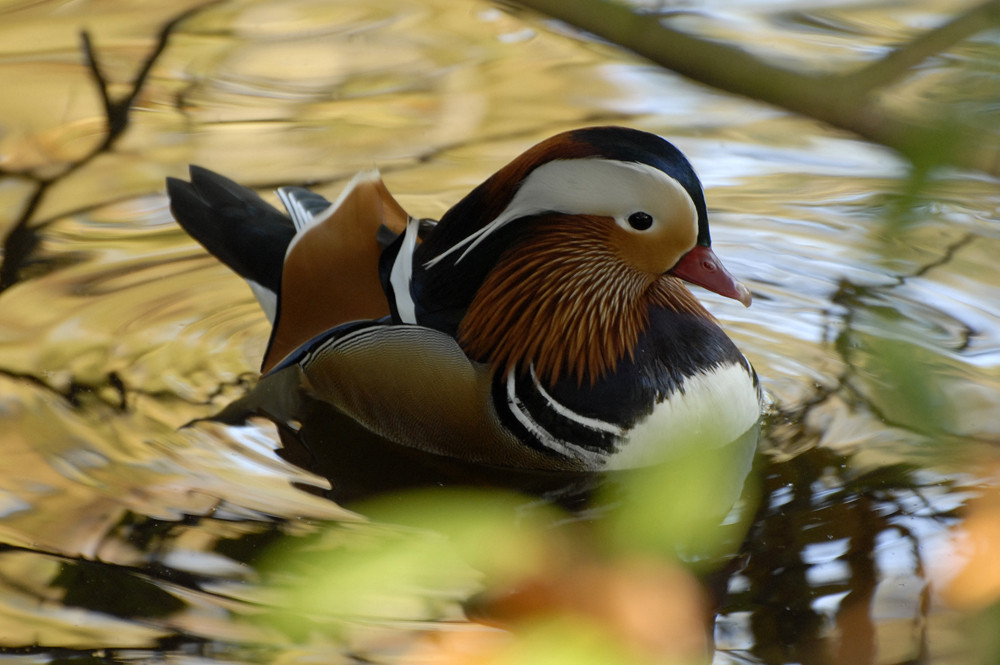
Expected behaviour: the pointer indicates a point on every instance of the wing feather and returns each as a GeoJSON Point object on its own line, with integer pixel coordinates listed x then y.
{"type": "Point", "coordinates": [330, 273]}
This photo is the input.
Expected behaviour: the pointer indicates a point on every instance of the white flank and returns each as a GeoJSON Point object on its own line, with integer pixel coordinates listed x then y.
{"type": "Point", "coordinates": [592, 186]}
{"type": "Point", "coordinates": [402, 273]}
{"type": "Point", "coordinates": [715, 408]}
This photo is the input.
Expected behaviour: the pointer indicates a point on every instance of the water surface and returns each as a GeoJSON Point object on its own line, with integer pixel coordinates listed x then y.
{"type": "Point", "coordinates": [126, 535]}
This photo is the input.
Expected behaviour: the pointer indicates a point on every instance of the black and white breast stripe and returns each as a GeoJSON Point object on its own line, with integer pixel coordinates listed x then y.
{"type": "Point", "coordinates": [626, 420]}
{"type": "Point", "coordinates": [549, 426]}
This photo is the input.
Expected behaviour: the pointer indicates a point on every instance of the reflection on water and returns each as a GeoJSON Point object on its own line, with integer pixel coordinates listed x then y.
{"type": "Point", "coordinates": [126, 535]}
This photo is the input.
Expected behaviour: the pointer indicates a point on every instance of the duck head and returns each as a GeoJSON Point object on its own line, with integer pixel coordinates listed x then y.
{"type": "Point", "coordinates": [554, 261]}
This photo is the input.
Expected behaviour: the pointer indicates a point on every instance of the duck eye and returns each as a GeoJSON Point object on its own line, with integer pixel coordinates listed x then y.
{"type": "Point", "coordinates": [640, 221]}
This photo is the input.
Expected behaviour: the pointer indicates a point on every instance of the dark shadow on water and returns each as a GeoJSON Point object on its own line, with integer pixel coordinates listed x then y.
{"type": "Point", "coordinates": [827, 550]}
{"type": "Point", "coordinates": [361, 465]}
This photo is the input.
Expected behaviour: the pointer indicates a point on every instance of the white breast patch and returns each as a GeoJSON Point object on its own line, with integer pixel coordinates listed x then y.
{"type": "Point", "coordinates": [710, 409]}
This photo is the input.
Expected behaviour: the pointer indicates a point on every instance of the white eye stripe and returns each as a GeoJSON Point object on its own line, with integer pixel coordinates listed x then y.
{"type": "Point", "coordinates": [601, 187]}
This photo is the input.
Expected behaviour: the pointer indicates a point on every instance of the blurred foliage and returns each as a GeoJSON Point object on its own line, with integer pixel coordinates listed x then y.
{"type": "Point", "coordinates": [613, 583]}
{"type": "Point", "coordinates": [909, 386]}
{"type": "Point", "coordinates": [906, 384]}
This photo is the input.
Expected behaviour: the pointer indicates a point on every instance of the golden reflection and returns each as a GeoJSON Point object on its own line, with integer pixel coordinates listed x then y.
{"type": "Point", "coordinates": [116, 330]}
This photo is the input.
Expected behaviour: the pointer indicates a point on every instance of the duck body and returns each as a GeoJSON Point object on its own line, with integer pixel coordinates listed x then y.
{"type": "Point", "coordinates": [543, 323]}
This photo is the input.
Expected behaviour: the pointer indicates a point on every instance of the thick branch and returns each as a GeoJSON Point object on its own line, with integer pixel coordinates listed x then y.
{"type": "Point", "coordinates": [843, 101]}
{"type": "Point", "coordinates": [901, 60]}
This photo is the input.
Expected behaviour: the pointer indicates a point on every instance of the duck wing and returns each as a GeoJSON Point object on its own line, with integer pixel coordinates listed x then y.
{"type": "Point", "coordinates": [311, 270]}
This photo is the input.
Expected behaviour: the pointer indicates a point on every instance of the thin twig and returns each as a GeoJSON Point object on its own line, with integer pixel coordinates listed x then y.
{"type": "Point", "coordinates": [22, 239]}
{"type": "Point", "coordinates": [95, 71]}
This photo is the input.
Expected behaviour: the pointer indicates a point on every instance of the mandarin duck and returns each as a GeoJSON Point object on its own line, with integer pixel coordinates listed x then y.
{"type": "Point", "coordinates": [543, 323]}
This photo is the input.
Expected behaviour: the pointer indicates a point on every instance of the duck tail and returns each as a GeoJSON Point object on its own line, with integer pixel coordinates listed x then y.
{"type": "Point", "coordinates": [236, 225]}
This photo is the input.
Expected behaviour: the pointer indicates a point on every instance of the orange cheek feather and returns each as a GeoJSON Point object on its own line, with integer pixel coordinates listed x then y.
{"type": "Point", "coordinates": [564, 300]}
{"type": "Point", "coordinates": [653, 253]}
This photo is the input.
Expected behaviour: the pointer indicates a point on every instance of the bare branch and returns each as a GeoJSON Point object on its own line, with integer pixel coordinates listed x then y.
{"type": "Point", "coordinates": [95, 71]}
{"type": "Point", "coordinates": [842, 101]}
{"type": "Point", "coordinates": [22, 239]}
{"type": "Point", "coordinates": [900, 61]}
